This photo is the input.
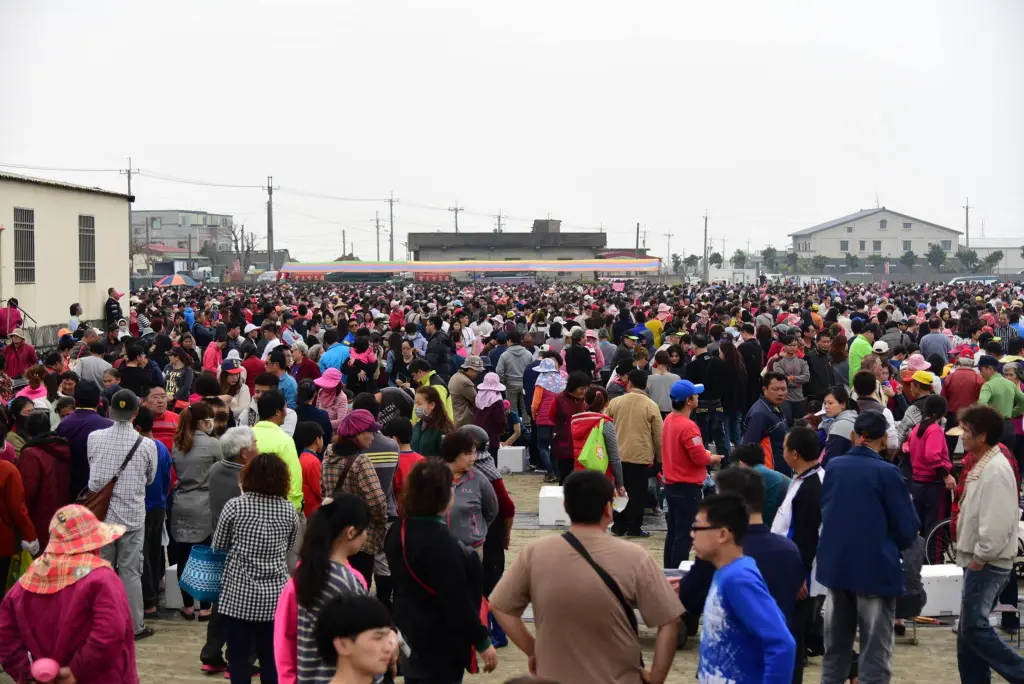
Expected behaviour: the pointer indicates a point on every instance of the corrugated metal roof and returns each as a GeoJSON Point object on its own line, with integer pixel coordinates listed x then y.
{"type": "Point", "coordinates": [5, 175]}
{"type": "Point", "coordinates": [863, 213]}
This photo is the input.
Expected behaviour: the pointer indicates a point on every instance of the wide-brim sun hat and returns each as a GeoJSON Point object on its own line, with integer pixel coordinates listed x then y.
{"type": "Point", "coordinates": [473, 363]}
{"type": "Point", "coordinates": [492, 383]}
{"type": "Point", "coordinates": [329, 380]}
{"type": "Point", "coordinates": [75, 529]}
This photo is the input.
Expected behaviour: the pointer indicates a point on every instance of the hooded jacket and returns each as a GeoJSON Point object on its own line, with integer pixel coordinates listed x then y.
{"type": "Point", "coordinates": [838, 441]}
{"type": "Point", "coordinates": [439, 350]}
{"type": "Point", "coordinates": [473, 509]}
{"type": "Point", "coordinates": [462, 391]}
{"type": "Point", "coordinates": [45, 466]}
{"type": "Point", "coordinates": [820, 366]}
{"type": "Point", "coordinates": [513, 364]}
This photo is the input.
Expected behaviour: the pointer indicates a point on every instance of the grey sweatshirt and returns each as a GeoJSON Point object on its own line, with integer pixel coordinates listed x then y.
{"type": "Point", "coordinates": [512, 364]}
{"type": "Point", "coordinates": [658, 386]}
{"type": "Point", "coordinates": [474, 509]}
{"type": "Point", "coordinates": [800, 371]}
{"type": "Point", "coordinates": [224, 486]}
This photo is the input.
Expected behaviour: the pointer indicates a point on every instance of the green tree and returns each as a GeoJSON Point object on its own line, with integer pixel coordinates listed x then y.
{"type": "Point", "coordinates": [677, 263]}
{"type": "Point", "coordinates": [992, 260]}
{"type": "Point", "coordinates": [936, 255]}
{"type": "Point", "coordinates": [715, 259]}
{"type": "Point", "coordinates": [908, 259]}
{"type": "Point", "coordinates": [852, 261]}
{"type": "Point", "coordinates": [769, 257]}
{"type": "Point", "coordinates": [738, 259]}
{"type": "Point", "coordinates": [1022, 251]}
{"type": "Point", "coordinates": [968, 258]}
{"type": "Point", "coordinates": [691, 261]}
{"type": "Point", "coordinates": [819, 262]}
{"type": "Point", "coordinates": [875, 260]}
{"type": "Point", "coordinates": [792, 261]}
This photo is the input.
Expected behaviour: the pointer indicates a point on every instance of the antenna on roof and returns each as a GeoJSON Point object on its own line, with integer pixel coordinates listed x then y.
{"type": "Point", "coordinates": [878, 205]}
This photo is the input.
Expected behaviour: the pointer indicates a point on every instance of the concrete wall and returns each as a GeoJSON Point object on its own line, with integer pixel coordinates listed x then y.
{"type": "Point", "coordinates": [507, 254]}
{"type": "Point", "coordinates": [920, 235]}
{"type": "Point", "coordinates": [57, 284]}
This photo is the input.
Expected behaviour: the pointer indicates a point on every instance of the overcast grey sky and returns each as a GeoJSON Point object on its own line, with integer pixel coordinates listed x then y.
{"type": "Point", "coordinates": [773, 116]}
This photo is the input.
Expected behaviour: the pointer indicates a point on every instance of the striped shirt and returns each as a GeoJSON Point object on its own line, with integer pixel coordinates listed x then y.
{"type": "Point", "coordinates": [342, 580]}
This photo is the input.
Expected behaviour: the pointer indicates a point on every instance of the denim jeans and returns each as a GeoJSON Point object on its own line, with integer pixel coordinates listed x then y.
{"type": "Point", "coordinates": [875, 615]}
{"type": "Point", "coordinates": [545, 433]}
{"type": "Point", "coordinates": [710, 420]}
{"type": "Point", "coordinates": [979, 650]}
{"type": "Point", "coordinates": [733, 431]}
{"type": "Point", "coordinates": [683, 500]}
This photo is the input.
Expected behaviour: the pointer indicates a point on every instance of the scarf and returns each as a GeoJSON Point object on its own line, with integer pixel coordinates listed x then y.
{"type": "Point", "coordinates": [484, 464]}
{"type": "Point", "coordinates": [967, 468]}
{"type": "Point", "coordinates": [53, 572]}
{"type": "Point", "coordinates": [485, 398]}
{"type": "Point", "coordinates": [552, 382]}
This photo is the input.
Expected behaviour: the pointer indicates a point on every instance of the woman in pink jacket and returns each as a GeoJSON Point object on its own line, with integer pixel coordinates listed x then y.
{"type": "Point", "coordinates": [70, 606]}
{"type": "Point", "coordinates": [930, 463]}
{"type": "Point", "coordinates": [332, 397]}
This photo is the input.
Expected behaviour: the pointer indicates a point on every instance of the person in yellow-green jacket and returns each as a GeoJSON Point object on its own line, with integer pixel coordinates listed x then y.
{"type": "Point", "coordinates": [423, 376]}
{"type": "Point", "coordinates": [1001, 394]}
{"type": "Point", "coordinates": [271, 439]}
{"type": "Point", "coordinates": [862, 346]}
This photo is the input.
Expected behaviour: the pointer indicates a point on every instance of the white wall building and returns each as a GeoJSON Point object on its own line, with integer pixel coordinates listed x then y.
{"type": "Point", "coordinates": [61, 244]}
{"type": "Point", "coordinates": [873, 231]}
{"type": "Point", "coordinates": [1013, 260]}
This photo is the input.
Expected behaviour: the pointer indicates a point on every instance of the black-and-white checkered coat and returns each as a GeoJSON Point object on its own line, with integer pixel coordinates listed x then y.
{"type": "Point", "coordinates": [256, 531]}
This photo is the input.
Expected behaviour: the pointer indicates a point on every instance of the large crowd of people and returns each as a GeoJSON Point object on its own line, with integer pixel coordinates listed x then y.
{"type": "Point", "coordinates": [314, 443]}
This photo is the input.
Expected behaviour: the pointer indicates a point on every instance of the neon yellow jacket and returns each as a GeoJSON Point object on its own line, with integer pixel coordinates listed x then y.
{"type": "Point", "coordinates": [271, 439]}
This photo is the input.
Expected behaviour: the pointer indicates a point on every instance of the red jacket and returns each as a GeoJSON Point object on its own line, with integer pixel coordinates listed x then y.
{"type": "Point", "coordinates": [929, 455]}
{"type": "Point", "coordinates": [13, 512]}
{"type": "Point", "coordinates": [254, 367]}
{"type": "Point", "coordinates": [582, 425]}
{"type": "Point", "coordinates": [45, 466]}
{"type": "Point", "coordinates": [563, 408]}
{"type": "Point", "coordinates": [547, 400]}
{"type": "Point", "coordinates": [396, 319]}
{"type": "Point", "coordinates": [961, 388]}
{"type": "Point", "coordinates": [19, 359]}
{"type": "Point", "coordinates": [86, 626]}
{"type": "Point", "coordinates": [684, 458]}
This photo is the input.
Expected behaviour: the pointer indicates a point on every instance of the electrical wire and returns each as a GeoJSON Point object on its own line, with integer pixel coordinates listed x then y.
{"type": "Point", "coordinates": [55, 168]}
{"type": "Point", "coordinates": [189, 181]}
{"type": "Point", "coordinates": [317, 195]}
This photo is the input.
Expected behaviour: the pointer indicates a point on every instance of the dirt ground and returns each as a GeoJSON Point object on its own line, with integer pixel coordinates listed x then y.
{"type": "Point", "coordinates": [172, 655]}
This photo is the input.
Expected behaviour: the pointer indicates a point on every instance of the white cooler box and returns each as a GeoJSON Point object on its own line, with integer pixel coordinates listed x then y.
{"type": "Point", "coordinates": [552, 507]}
{"type": "Point", "coordinates": [511, 460]}
{"type": "Point", "coordinates": [172, 594]}
{"type": "Point", "coordinates": [944, 586]}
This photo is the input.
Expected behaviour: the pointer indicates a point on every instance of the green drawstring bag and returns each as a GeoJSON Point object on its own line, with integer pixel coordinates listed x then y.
{"type": "Point", "coordinates": [594, 455]}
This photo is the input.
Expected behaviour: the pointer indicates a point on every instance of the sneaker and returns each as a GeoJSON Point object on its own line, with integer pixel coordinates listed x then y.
{"type": "Point", "coordinates": [618, 532]}
{"type": "Point", "coordinates": [144, 634]}
{"type": "Point", "coordinates": [640, 534]}
{"type": "Point", "coordinates": [214, 668]}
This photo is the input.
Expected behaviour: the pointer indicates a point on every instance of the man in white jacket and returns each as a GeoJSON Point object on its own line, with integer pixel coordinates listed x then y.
{"type": "Point", "coordinates": [986, 548]}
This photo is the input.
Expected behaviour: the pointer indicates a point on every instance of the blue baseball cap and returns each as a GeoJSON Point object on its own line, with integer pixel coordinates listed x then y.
{"type": "Point", "coordinates": [683, 390]}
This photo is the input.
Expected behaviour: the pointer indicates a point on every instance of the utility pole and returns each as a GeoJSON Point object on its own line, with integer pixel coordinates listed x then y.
{"type": "Point", "coordinates": [455, 210]}
{"type": "Point", "coordinates": [668, 253]}
{"type": "Point", "coordinates": [270, 222]}
{"type": "Point", "coordinates": [149, 256]}
{"type": "Point", "coordinates": [131, 237]}
{"type": "Point", "coordinates": [188, 266]}
{"type": "Point", "coordinates": [500, 216]}
{"type": "Point", "coordinates": [707, 270]}
{"type": "Point", "coordinates": [376, 222]}
{"type": "Point", "coordinates": [636, 253]}
{"type": "Point", "coordinates": [344, 244]}
{"type": "Point", "coordinates": [967, 219]}
{"type": "Point", "coordinates": [391, 217]}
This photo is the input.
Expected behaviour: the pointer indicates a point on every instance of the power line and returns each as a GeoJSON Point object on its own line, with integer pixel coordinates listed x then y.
{"type": "Point", "coordinates": [318, 195]}
{"type": "Point", "coordinates": [455, 210]}
{"type": "Point", "coordinates": [56, 168]}
{"type": "Point", "coordinates": [189, 181]}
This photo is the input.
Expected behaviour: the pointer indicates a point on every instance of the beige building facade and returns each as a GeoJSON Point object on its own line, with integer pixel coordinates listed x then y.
{"type": "Point", "coordinates": [878, 231]}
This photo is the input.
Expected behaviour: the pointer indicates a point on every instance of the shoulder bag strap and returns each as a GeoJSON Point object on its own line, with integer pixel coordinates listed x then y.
{"type": "Point", "coordinates": [606, 578]}
{"type": "Point", "coordinates": [349, 462]}
{"type": "Point", "coordinates": [124, 464]}
{"type": "Point", "coordinates": [408, 567]}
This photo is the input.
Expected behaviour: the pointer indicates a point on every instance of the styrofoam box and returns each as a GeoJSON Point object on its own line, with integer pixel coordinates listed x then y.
{"type": "Point", "coordinates": [944, 586]}
{"type": "Point", "coordinates": [172, 594]}
{"type": "Point", "coordinates": [512, 460]}
{"type": "Point", "coordinates": [552, 507]}
{"type": "Point", "coordinates": [686, 565]}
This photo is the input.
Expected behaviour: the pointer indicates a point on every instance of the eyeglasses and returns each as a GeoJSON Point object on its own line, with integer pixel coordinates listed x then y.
{"type": "Point", "coordinates": [702, 528]}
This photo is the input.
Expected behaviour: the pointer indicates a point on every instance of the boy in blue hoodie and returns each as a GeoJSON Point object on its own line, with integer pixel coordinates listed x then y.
{"type": "Point", "coordinates": [745, 639]}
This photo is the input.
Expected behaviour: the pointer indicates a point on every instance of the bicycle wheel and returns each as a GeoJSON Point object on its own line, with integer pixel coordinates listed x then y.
{"type": "Point", "coordinates": [939, 545]}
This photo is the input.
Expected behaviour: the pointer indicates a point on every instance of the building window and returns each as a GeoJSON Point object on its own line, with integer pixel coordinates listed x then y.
{"type": "Point", "coordinates": [849, 229]}
{"type": "Point", "coordinates": [513, 258]}
{"type": "Point", "coordinates": [883, 225]}
{"type": "Point", "coordinates": [186, 220]}
{"type": "Point", "coordinates": [24, 246]}
{"type": "Point", "coordinates": [906, 226]}
{"type": "Point", "coordinates": [876, 245]}
{"type": "Point", "coordinates": [844, 245]}
{"type": "Point", "coordinates": [863, 244]}
{"type": "Point", "coordinates": [906, 246]}
{"type": "Point", "coordinates": [86, 249]}
{"type": "Point", "coordinates": [947, 245]}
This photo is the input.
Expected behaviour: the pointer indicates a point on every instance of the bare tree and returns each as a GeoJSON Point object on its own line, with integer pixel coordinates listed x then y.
{"type": "Point", "coordinates": [242, 244]}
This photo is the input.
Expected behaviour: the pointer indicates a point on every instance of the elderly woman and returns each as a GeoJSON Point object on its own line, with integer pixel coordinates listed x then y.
{"type": "Point", "coordinates": [303, 368]}
{"type": "Point", "coordinates": [70, 586]}
{"type": "Point", "coordinates": [331, 397]}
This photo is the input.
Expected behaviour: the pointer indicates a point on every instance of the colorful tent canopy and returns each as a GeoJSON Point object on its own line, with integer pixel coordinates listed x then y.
{"type": "Point", "coordinates": [176, 280]}
{"type": "Point", "coordinates": [576, 265]}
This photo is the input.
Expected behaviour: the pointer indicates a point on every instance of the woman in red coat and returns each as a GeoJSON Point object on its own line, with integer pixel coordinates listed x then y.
{"type": "Point", "coordinates": [14, 519]}
{"type": "Point", "coordinates": [588, 421]}
{"type": "Point", "coordinates": [45, 466]}
{"type": "Point", "coordinates": [567, 404]}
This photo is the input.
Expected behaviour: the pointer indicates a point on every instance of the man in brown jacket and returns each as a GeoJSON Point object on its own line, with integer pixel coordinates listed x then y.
{"type": "Point", "coordinates": [638, 431]}
{"type": "Point", "coordinates": [462, 388]}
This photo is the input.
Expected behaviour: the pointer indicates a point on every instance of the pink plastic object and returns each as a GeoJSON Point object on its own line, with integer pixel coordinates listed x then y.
{"type": "Point", "coordinates": [45, 670]}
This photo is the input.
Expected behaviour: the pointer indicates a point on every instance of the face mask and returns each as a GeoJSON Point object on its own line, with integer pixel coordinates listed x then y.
{"type": "Point", "coordinates": [422, 413]}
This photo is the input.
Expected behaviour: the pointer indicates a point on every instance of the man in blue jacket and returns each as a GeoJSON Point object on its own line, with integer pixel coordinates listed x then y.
{"type": "Point", "coordinates": [867, 519]}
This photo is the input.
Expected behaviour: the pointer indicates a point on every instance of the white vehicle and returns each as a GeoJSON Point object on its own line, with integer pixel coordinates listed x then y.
{"type": "Point", "coordinates": [974, 280]}
{"type": "Point", "coordinates": [267, 277]}
{"type": "Point", "coordinates": [693, 280]}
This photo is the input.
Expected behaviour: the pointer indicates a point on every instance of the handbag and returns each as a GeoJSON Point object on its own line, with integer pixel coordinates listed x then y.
{"type": "Point", "coordinates": [594, 455]}
{"type": "Point", "coordinates": [99, 502]}
{"type": "Point", "coordinates": [202, 574]}
{"type": "Point", "coordinates": [609, 582]}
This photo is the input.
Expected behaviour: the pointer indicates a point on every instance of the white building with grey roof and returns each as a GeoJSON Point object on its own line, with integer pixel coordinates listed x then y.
{"type": "Point", "coordinates": [878, 231]}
